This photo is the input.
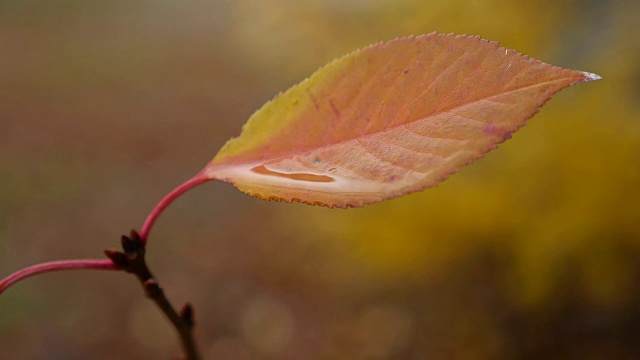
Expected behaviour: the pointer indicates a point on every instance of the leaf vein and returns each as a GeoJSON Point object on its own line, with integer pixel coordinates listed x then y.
{"type": "Point", "coordinates": [422, 152]}
{"type": "Point", "coordinates": [370, 152]}
{"type": "Point", "coordinates": [430, 136]}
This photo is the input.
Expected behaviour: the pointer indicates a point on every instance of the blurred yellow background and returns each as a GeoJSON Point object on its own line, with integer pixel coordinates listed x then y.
{"type": "Point", "coordinates": [530, 253]}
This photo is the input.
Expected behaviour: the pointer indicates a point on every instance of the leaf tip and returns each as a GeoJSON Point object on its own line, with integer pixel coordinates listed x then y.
{"type": "Point", "coordinates": [591, 76]}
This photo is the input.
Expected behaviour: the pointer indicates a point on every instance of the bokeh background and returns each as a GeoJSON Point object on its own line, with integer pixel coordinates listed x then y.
{"type": "Point", "coordinates": [532, 252]}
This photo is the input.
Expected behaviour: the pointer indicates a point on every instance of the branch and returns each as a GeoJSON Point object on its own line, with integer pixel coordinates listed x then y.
{"type": "Point", "coordinates": [132, 260]}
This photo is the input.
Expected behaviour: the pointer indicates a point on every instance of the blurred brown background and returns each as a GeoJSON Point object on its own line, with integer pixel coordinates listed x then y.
{"type": "Point", "coordinates": [530, 253]}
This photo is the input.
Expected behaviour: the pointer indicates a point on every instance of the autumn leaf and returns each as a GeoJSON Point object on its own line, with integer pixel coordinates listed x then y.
{"type": "Point", "coordinates": [387, 120]}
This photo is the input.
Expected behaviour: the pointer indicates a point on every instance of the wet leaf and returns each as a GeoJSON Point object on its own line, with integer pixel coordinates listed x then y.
{"type": "Point", "coordinates": [387, 120]}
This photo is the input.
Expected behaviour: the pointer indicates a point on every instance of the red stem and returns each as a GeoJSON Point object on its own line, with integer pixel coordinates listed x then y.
{"type": "Point", "coordinates": [103, 264]}
{"type": "Point", "coordinates": [56, 266]}
{"type": "Point", "coordinates": [174, 194]}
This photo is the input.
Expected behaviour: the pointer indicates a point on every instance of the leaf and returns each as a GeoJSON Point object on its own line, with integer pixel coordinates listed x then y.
{"type": "Point", "coordinates": [387, 120]}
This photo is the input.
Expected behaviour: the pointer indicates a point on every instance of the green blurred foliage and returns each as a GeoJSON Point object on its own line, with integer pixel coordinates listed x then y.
{"type": "Point", "coordinates": [531, 252]}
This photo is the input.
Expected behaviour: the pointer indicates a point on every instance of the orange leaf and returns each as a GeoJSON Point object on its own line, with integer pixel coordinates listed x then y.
{"type": "Point", "coordinates": [387, 120]}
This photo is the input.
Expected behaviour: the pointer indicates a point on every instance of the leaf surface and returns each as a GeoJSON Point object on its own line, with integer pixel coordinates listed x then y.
{"type": "Point", "coordinates": [387, 120]}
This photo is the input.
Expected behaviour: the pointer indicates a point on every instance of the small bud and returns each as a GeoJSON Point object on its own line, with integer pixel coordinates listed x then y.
{"type": "Point", "coordinates": [133, 234]}
{"type": "Point", "coordinates": [132, 245]}
{"type": "Point", "coordinates": [151, 288]}
{"type": "Point", "coordinates": [118, 258]}
{"type": "Point", "coordinates": [127, 246]}
{"type": "Point", "coordinates": [186, 314]}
